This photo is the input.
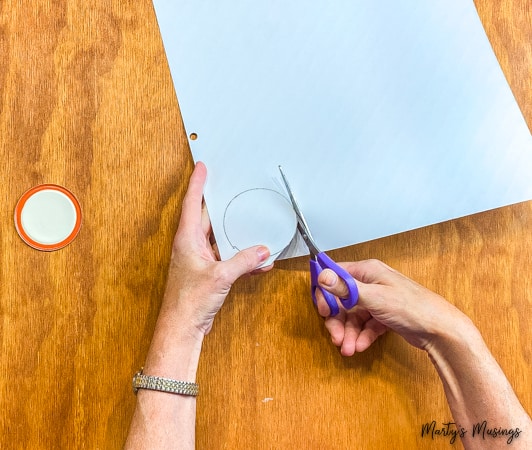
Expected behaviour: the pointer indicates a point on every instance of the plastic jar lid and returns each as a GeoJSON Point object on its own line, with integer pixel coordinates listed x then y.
{"type": "Point", "coordinates": [48, 217]}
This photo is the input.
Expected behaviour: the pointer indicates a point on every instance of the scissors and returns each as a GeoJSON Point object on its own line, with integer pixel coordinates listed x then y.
{"type": "Point", "coordinates": [320, 261]}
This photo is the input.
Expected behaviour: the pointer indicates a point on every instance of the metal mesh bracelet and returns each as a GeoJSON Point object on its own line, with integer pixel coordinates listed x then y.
{"type": "Point", "coordinates": [141, 381]}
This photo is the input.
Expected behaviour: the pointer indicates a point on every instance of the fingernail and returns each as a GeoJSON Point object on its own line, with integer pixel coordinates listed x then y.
{"type": "Point", "coordinates": [263, 253]}
{"type": "Point", "coordinates": [329, 278]}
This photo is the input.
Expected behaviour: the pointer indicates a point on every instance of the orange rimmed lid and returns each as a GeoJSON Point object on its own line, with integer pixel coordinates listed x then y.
{"type": "Point", "coordinates": [48, 217]}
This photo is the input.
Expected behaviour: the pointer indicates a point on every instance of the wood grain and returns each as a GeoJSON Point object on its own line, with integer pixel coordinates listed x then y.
{"type": "Point", "coordinates": [87, 102]}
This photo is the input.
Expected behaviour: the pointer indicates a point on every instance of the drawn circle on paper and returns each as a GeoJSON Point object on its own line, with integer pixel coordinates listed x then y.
{"type": "Point", "coordinates": [260, 216]}
{"type": "Point", "coordinates": [48, 217]}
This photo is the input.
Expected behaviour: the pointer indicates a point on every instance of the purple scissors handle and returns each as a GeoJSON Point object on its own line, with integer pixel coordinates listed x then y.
{"type": "Point", "coordinates": [320, 262]}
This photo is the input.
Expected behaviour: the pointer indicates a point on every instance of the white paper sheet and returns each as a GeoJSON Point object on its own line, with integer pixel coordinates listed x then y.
{"type": "Point", "coordinates": [385, 115]}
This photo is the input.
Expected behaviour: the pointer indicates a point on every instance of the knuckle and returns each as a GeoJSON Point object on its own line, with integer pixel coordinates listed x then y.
{"type": "Point", "coordinates": [375, 263]}
{"type": "Point", "coordinates": [248, 261]}
{"type": "Point", "coordinates": [221, 279]}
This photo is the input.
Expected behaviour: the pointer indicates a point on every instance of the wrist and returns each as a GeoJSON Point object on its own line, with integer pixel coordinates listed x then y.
{"type": "Point", "coordinates": [457, 353]}
{"type": "Point", "coordinates": [175, 349]}
{"type": "Point", "coordinates": [448, 342]}
{"type": "Point", "coordinates": [192, 306]}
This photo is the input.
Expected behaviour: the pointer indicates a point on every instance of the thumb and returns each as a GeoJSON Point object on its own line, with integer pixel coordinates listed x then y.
{"type": "Point", "coordinates": [245, 261]}
{"type": "Point", "coordinates": [332, 283]}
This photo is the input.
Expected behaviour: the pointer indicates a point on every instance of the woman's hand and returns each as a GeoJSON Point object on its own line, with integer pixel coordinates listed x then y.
{"type": "Point", "coordinates": [197, 282]}
{"type": "Point", "coordinates": [387, 300]}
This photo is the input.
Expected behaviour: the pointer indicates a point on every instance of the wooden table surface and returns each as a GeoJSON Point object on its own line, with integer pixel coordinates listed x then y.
{"type": "Point", "coordinates": [86, 101]}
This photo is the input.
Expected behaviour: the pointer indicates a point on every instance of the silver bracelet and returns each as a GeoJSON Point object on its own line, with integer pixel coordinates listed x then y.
{"type": "Point", "coordinates": [141, 381]}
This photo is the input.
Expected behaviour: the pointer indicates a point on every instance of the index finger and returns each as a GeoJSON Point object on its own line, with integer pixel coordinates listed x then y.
{"type": "Point", "coordinates": [371, 271]}
{"type": "Point", "coordinates": [191, 212]}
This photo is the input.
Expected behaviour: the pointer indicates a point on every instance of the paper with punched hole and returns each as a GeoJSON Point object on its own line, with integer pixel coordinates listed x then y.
{"type": "Point", "coordinates": [385, 115]}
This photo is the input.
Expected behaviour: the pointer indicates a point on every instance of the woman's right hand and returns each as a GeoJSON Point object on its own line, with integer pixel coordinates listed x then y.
{"type": "Point", "coordinates": [387, 300]}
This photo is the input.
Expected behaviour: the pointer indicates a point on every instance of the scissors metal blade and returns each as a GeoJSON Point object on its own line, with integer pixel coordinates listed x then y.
{"type": "Point", "coordinates": [301, 222]}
